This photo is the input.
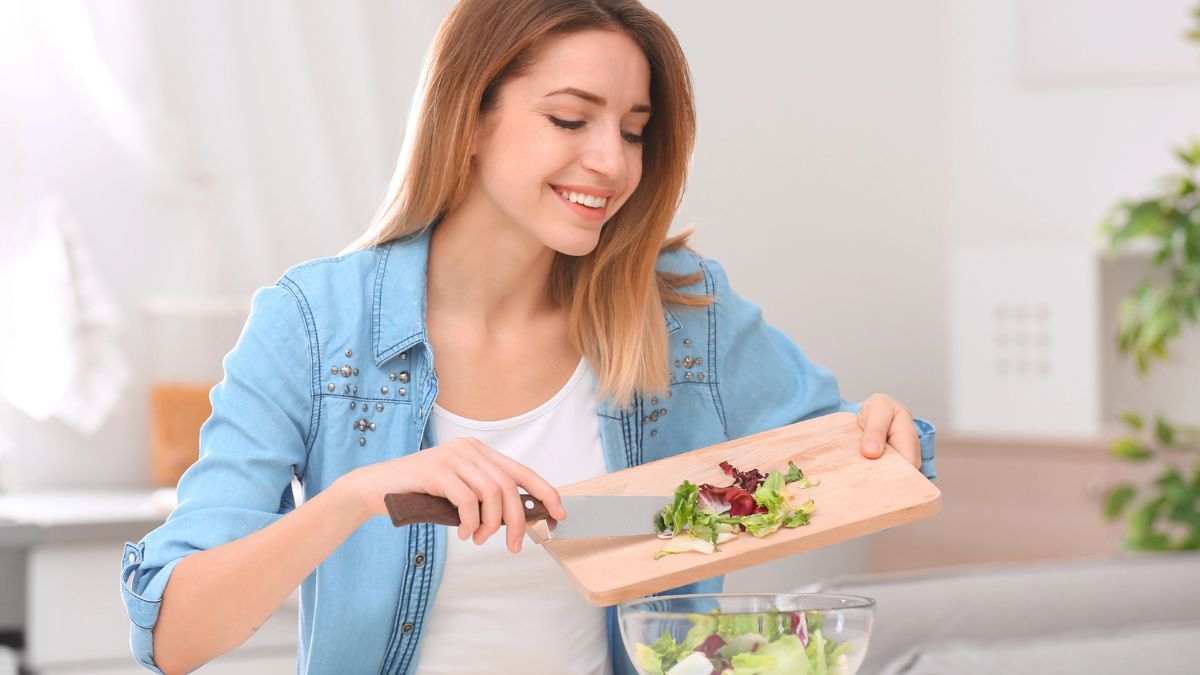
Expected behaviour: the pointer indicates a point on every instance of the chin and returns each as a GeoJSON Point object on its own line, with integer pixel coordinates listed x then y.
{"type": "Point", "coordinates": [578, 243]}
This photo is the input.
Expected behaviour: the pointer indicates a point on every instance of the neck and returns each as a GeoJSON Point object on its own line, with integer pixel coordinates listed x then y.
{"type": "Point", "coordinates": [487, 273]}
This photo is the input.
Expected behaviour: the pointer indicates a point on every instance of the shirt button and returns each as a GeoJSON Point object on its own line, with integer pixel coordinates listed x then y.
{"type": "Point", "coordinates": [132, 558]}
{"type": "Point", "coordinates": [419, 559]}
{"type": "Point", "coordinates": [407, 628]}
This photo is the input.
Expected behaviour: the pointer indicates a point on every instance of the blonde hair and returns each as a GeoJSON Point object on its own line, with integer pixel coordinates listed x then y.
{"type": "Point", "coordinates": [614, 294]}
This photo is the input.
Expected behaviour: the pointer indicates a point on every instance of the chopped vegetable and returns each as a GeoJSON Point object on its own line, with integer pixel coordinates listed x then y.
{"type": "Point", "coordinates": [695, 663]}
{"type": "Point", "coordinates": [771, 643]}
{"type": "Point", "coordinates": [707, 515]}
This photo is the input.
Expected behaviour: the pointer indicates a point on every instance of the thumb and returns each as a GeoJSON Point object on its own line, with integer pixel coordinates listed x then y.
{"type": "Point", "coordinates": [875, 419]}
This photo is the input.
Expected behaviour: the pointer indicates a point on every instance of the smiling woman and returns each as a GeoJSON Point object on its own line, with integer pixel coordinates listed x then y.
{"type": "Point", "coordinates": [579, 111]}
{"type": "Point", "coordinates": [516, 318]}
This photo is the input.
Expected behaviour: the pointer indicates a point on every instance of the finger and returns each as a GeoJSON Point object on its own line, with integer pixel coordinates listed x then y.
{"type": "Point", "coordinates": [528, 479]}
{"type": "Point", "coordinates": [902, 436]}
{"type": "Point", "coordinates": [467, 502]}
{"type": "Point", "coordinates": [875, 418]}
{"type": "Point", "coordinates": [489, 500]}
{"type": "Point", "coordinates": [512, 507]}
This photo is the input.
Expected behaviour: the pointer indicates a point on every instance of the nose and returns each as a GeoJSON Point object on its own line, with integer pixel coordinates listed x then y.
{"type": "Point", "coordinates": [605, 153]}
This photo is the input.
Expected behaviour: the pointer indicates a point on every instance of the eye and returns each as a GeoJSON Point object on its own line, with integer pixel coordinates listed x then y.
{"type": "Point", "coordinates": [572, 125]}
{"type": "Point", "coordinates": [565, 124]}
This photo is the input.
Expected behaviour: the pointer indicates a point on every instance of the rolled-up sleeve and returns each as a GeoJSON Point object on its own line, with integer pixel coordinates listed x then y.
{"type": "Point", "coordinates": [766, 381]}
{"type": "Point", "coordinates": [255, 441]}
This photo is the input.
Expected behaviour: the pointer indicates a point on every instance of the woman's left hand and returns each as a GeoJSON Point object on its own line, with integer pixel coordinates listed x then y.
{"type": "Point", "coordinates": [885, 421]}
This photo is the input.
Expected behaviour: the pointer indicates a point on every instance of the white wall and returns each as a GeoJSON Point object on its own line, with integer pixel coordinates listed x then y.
{"type": "Point", "coordinates": [1058, 109]}
{"type": "Point", "coordinates": [1045, 135]}
{"type": "Point", "coordinates": [819, 178]}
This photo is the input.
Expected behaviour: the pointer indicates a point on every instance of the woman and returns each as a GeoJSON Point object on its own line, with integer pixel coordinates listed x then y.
{"type": "Point", "coordinates": [523, 246]}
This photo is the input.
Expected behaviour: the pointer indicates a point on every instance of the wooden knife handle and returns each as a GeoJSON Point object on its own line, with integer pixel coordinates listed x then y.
{"type": "Point", "coordinates": [416, 507]}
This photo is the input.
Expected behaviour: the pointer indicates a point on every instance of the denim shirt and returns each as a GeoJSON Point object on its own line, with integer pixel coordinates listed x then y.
{"type": "Point", "coordinates": [334, 371]}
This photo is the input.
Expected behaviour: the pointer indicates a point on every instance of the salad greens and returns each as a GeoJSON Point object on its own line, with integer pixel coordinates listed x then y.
{"type": "Point", "coordinates": [771, 643]}
{"type": "Point", "coordinates": [711, 515]}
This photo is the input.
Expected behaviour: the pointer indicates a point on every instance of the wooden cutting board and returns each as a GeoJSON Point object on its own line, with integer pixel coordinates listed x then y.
{"type": "Point", "coordinates": [856, 496]}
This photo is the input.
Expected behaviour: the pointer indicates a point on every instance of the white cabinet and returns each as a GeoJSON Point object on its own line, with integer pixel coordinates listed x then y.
{"type": "Point", "coordinates": [76, 620]}
{"type": "Point", "coordinates": [73, 614]}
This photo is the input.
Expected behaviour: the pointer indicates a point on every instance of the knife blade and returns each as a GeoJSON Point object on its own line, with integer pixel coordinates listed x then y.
{"type": "Point", "coordinates": [587, 515]}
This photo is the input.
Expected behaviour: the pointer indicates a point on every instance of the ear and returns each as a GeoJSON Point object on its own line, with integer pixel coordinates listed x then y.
{"type": "Point", "coordinates": [478, 132]}
{"type": "Point", "coordinates": [483, 130]}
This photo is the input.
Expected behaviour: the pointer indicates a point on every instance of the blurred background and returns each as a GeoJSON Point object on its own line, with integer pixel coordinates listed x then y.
{"type": "Point", "coordinates": [956, 202]}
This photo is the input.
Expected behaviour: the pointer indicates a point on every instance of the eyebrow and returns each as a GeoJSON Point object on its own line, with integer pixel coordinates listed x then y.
{"type": "Point", "coordinates": [593, 98]}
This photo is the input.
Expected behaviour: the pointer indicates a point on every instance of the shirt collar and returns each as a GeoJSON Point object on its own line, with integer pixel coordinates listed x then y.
{"type": "Point", "coordinates": [400, 287]}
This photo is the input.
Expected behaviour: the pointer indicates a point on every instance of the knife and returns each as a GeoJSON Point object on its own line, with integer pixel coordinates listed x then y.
{"type": "Point", "coordinates": [587, 515]}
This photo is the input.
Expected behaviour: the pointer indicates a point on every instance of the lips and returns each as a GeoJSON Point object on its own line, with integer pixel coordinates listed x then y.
{"type": "Point", "coordinates": [585, 212]}
{"type": "Point", "coordinates": [587, 190]}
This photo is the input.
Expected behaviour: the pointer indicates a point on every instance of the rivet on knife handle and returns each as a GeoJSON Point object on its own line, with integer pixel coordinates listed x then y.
{"type": "Point", "coordinates": [416, 507]}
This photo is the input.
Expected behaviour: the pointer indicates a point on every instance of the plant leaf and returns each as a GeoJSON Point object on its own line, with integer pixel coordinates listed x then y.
{"type": "Point", "coordinates": [1131, 449]}
{"type": "Point", "coordinates": [1164, 432]}
{"type": "Point", "coordinates": [1118, 498]}
{"type": "Point", "coordinates": [1133, 420]}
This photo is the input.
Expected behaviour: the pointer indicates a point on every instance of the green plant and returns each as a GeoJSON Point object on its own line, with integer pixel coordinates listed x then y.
{"type": "Point", "coordinates": [1164, 515]}
{"type": "Point", "coordinates": [1152, 315]}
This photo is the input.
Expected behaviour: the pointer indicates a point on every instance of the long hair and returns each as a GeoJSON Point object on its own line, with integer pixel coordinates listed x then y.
{"type": "Point", "coordinates": [614, 294]}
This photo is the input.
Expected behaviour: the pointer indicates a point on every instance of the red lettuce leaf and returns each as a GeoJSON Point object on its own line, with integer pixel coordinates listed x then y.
{"type": "Point", "coordinates": [741, 503]}
{"type": "Point", "coordinates": [710, 645]}
{"type": "Point", "coordinates": [746, 480]}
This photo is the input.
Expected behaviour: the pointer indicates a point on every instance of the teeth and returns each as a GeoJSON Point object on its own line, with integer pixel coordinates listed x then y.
{"type": "Point", "coordinates": [586, 200]}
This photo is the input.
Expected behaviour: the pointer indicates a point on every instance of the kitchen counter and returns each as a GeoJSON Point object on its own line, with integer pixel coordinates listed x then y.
{"type": "Point", "coordinates": [29, 519]}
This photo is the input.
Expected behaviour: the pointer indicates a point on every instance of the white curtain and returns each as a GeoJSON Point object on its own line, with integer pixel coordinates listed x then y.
{"type": "Point", "coordinates": [199, 148]}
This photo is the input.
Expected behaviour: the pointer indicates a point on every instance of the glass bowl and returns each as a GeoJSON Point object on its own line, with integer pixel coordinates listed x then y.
{"type": "Point", "coordinates": [736, 633]}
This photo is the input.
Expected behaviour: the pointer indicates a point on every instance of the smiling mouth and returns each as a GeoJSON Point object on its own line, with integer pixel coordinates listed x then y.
{"type": "Point", "coordinates": [594, 208]}
{"type": "Point", "coordinates": [582, 198]}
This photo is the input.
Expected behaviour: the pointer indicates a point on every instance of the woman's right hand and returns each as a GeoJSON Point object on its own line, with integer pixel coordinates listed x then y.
{"type": "Point", "coordinates": [473, 476]}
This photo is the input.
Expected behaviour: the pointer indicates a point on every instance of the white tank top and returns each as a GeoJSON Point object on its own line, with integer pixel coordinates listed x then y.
{"type": "Point", "coordinates": [496, 612]}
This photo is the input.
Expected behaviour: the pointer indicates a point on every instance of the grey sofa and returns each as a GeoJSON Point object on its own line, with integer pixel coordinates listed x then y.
{"type": "Point", "coordinates": [1127, 614]}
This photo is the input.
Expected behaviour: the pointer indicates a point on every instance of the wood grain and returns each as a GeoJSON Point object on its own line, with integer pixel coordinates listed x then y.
{"type": "Point", "coordinates": [856, 496]}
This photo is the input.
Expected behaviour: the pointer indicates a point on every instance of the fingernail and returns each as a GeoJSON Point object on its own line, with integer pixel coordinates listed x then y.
{"type": "Point", "coordinates": [874, 448]}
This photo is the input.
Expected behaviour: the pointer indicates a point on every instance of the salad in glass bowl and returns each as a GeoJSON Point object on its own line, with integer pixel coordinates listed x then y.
{"type": "Point", "coordinates": [747, 634]}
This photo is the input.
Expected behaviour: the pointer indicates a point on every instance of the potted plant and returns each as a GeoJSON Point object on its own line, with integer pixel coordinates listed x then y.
{"type": "Point", "coordinates": [1164, 515]}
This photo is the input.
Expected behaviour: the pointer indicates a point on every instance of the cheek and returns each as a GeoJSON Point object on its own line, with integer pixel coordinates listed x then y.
{"type": "Point", "coordinates": [509, 173]}
{"type": "Point", "coordinates": [635, 168]}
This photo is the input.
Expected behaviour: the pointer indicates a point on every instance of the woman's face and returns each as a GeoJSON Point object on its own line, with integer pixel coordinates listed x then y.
{"type": "Point", "coordinates": [560, 152]}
